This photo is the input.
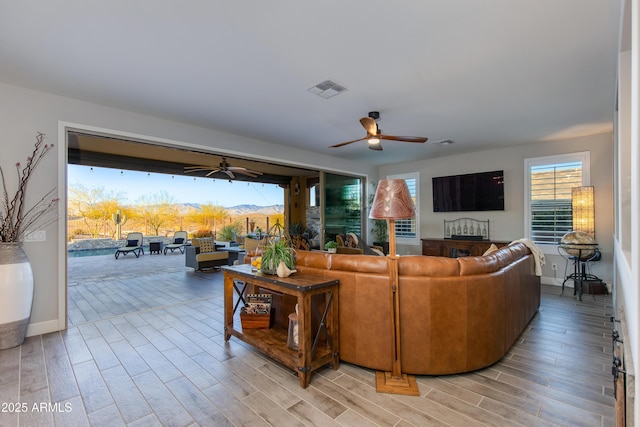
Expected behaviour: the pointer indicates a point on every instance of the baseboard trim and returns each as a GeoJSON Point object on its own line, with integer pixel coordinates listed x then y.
{"type": "Point", "coordinates": [546, 280]}
{"type": "Point", "coordinates": [41, 328]}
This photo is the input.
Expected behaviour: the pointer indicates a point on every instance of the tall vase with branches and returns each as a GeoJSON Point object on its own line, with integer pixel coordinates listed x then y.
{"type": "Point", "coordinates": [16, 221]}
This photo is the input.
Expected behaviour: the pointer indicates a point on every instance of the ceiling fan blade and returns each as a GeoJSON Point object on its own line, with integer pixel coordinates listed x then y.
{"type": "Point", "coordinates": [403, 138]}
{"type": "Point", "coordinates": [370, 125]}
{"type": "Point", "coordinates": [189, 169]}
{"type": "Point", "coordinates": [349, 142]}
{"type": "Point", "coordinates": [252, 174]}
{"type": "Point", "coordinates": [244, 171]}
{"type": "Point", "coordinates": [377, 147]}
{"type": "Point", "coordinates": [225, 168]}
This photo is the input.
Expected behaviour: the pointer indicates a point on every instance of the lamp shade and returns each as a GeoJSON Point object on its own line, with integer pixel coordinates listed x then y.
{"type": "Point", "coordinates": [582, 206]}
{"type": "Point", "coordinates": [392, 200]}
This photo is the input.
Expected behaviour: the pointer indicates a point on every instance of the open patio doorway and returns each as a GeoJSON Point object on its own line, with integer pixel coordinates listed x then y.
{"type": "Point", "coordinates": [100, 287]}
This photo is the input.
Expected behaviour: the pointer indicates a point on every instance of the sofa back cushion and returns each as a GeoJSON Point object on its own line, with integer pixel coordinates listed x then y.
{"type": "Point", "coordinates": [478, 264]}
{"type": "Point", "coordinates": [518, 250]}
{"type": "Point", "coordinates": [316, 260]}
{"type": "Point", "coordinates": [360, 264]}
{"type": "Point", "coordinates": [420, 265]}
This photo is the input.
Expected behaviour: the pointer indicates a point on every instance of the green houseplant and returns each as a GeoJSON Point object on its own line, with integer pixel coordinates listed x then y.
{"type": "Point", "coordinates": [297, 228]}
{"type": "Point", "coordinates": [381, 235]}
{"type": "Point", "coordinates": [379, 228]}
{"type": "Point", "coordinates": [331, 246]}
{"type": "Point", "coordinates": [274, 252]}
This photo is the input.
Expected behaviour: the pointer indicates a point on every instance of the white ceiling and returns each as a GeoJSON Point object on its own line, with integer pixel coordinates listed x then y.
{"type": "Point", "coordinates": [485, 73]}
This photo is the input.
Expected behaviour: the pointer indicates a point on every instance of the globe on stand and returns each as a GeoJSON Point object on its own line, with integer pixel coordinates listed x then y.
{"type": "Point", "coordinates": [578, 244]}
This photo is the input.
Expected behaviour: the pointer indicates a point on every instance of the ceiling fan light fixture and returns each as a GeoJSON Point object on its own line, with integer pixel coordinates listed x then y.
{"type": "Point", "coordinates": [374, 134]}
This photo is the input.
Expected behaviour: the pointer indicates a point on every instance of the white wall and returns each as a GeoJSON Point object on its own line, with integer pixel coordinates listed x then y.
{"type": "Point", "coordinates": [508, 225]}
{"type": "Point", "coordinates": [627, 239]}
{"type": "Point", "coordinates": [25, 112]}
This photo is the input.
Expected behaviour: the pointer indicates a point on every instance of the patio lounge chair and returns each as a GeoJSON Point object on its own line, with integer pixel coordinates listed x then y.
{"type": "Point", "coordinates": [203, 253]}
{"type": "Point", "coordinates": [134, 245]}
{"type": "Point", "coordinates": [179, 242]}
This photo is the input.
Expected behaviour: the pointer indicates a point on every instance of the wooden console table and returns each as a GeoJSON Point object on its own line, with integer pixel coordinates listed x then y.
{"type": "Point", "coordinates": [454, 247]}
{"type": "Point", "coordinates": [318, 334]}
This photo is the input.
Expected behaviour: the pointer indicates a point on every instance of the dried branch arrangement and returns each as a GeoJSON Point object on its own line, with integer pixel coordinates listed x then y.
{"type": "Point", "coordinates": [16, 220]}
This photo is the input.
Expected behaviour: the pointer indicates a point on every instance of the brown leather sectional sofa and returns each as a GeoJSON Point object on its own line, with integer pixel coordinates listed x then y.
{"type": "Point", "coordinates": [457, 314]}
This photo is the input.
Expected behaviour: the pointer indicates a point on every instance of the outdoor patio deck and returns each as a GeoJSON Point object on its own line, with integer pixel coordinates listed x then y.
{"type": "Point", "coordinates": [101, 286]}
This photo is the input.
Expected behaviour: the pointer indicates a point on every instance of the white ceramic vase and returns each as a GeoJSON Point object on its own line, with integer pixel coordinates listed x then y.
{"type": "Point", "coordinates": [16, 294]}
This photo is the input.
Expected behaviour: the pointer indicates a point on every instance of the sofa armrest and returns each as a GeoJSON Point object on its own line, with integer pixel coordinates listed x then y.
{"type": "Point", "coordinates": [190, 256]}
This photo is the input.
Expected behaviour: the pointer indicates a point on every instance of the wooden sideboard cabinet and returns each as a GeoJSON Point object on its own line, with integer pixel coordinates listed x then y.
{"type": "Point", "coordinates": [455, 248]}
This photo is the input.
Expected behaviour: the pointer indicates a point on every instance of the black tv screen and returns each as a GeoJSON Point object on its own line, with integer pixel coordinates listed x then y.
{"type": "Point", "coordinates": [470, 192]}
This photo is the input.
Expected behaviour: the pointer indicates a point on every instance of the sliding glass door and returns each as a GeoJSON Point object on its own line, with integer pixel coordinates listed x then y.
{"type": "Point", "coordinates": [343, 206]}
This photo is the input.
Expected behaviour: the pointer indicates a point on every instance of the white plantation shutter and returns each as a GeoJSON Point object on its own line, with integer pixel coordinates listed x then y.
{"type": "Point", "coordinates": [550, 180]}
{"type": "Point", "coordinates": [407, 227]}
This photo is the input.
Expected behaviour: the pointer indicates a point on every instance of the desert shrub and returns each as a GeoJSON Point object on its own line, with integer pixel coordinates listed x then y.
{"type": "Point", "coordinates": [203, 232]}
{"type": "Point", "coordinates": [228, 233]}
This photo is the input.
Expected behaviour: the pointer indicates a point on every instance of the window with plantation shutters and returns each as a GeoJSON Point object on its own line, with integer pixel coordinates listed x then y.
{"type": "Point", "coordinates": [407, 229]}
{"type": "Point", "coordinates": [549, 181]}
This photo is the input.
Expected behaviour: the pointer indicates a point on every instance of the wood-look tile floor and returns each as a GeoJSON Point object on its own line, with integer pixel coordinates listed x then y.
{"type": "Point", "coordinates": [146, 348]}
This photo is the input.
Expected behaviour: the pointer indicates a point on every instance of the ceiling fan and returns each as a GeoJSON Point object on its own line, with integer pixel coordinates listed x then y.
{"type": "Point", "coordinates": [223, 167]}
{"type": "Point", "coordinates": [375, 135]}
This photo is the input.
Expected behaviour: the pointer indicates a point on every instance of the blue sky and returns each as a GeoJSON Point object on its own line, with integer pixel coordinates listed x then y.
{"type": "Point", "coordinates": [183, 189]}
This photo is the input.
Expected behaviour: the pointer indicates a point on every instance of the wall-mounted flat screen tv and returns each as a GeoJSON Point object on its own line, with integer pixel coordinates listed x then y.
{"type": "Point", "coordinates": [470, 192]}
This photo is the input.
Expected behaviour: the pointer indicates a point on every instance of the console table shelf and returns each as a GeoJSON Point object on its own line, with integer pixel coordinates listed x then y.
{"type": "Point", "coordinates": [317, 299]}
{"type": "Point", "coordinates": [273, 343]}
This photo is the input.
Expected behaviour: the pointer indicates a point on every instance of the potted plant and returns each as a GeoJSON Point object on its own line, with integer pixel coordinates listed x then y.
{"type": "Point", "coordinates": [297, 228]}
{"type": "Point", "coordinates": [379, 229]}
{"type": "Point", "coordinates": [274, 252]}
{"type": "Point", "coordinates": [380, 235]}
{"type": "Point", "coordinates": [331, 246]}
{"type": "Point", "coordinates": [16, 221]}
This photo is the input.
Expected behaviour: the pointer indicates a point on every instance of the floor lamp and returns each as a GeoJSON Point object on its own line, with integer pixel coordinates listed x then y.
{"type": "Point", "coordinates": [393, 201]}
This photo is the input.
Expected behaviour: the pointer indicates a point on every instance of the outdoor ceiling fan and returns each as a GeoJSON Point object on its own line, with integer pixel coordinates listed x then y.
{"type": "Point", "coordinates": [223, 167]}
{"type": "Point", "coordinates": [375, 135]}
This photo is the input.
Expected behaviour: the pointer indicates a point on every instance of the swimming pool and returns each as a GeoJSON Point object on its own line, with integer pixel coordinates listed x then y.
{"type": "Point", "coordinates": [95, 252]}
{"type": "Point", "coordinates": [91, 252]}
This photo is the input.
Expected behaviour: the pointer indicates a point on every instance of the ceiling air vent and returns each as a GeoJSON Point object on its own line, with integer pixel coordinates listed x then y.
{"type": "Point", "coordinates": [327, 89]}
